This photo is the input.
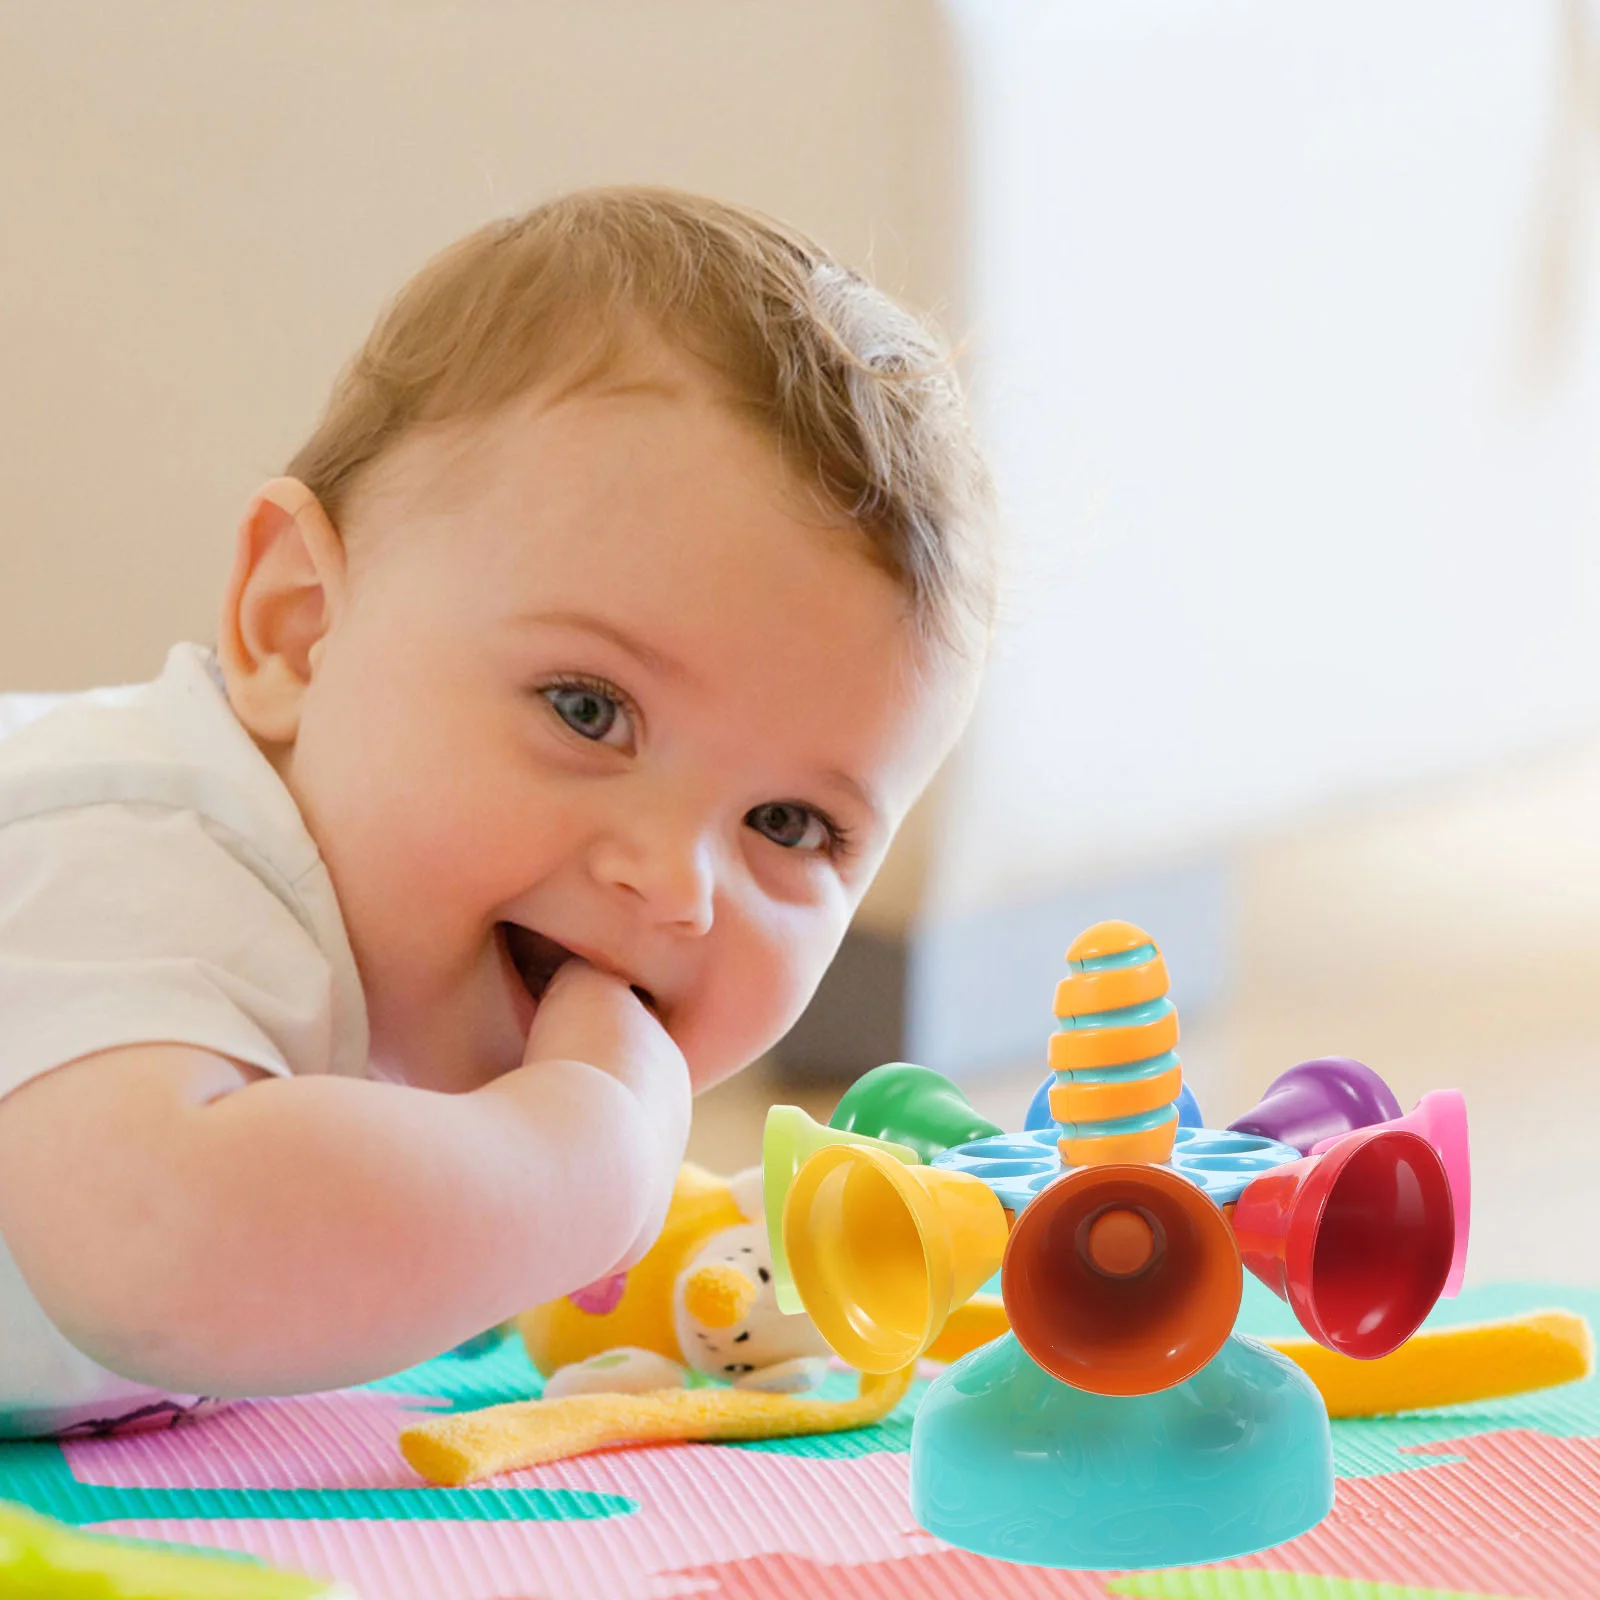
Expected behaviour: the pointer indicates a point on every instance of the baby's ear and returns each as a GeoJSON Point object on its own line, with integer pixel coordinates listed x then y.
{"type": "Point", "coordinates": [283, 596]}
{"type": "Point", "coordinates": [745, 1188]}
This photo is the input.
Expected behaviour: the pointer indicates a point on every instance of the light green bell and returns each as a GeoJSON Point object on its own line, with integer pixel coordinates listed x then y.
{"type": "Point", "coordinates": [789, 1140]}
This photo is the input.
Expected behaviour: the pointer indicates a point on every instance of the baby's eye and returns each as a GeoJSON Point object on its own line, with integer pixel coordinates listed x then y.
{"type": "Point", "coordinates": [589, 711]}
{"type": "Point", "coordinates": [795, 827]}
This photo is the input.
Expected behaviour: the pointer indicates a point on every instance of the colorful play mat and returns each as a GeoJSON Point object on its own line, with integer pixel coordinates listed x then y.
{"type": "Point", "coordinates": [1499, 1499]}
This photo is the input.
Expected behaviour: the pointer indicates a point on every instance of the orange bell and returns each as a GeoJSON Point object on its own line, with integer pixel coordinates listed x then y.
{"type": "Point", "coordinates": [1121, 1279]}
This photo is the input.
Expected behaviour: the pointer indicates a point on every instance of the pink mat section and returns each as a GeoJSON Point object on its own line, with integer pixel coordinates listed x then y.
{"type": "Point", "coordinates": [1515, 1514]}
{"type": "Point", "coordinates": [320, 1441]}
{"type": "Point", "coordinates": [701, 1507]}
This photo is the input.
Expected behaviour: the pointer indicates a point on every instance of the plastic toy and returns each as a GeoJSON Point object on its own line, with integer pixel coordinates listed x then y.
{"type": "Point", "coordinates": [1316, 1104]}
{"type": "Point", "coordinates": [1114, 1052]}
{"type": "Point", "coordinates": [912, 1107]}
{"type": "Point", "coordinates": [1038, 1113]}
{"type": "Point", "coordinates": [1319, 1100]}
{"type": "Point", "coordinates": [629, 1360]}
{"type": "Point", "coordinates": [1120, 1423]}
{"type": "Point", "coordinates": [789, 1138]}
{"type": "Point", "coordinates": [41, 1558]}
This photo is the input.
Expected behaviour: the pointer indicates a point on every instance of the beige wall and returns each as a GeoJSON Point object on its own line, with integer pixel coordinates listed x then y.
{"type": "Point", "coordinates": [205, 206]}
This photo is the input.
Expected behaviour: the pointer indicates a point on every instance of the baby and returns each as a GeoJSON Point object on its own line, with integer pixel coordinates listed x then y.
{"type": "Point", "coordinates": [355, 976]}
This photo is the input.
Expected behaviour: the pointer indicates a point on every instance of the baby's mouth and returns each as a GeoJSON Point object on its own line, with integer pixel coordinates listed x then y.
{"type": "Point", "coordinates": [537, 960]}
{"type": "Point", "coordinates": [535, 957]}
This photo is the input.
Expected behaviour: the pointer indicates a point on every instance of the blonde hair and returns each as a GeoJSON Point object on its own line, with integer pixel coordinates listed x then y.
{"type": "Point", "coordinates": [858, 396]}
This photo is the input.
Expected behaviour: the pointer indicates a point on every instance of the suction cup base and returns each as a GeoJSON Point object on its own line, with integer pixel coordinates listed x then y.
{"type": "Point", "coordinates": [1008, 1462]}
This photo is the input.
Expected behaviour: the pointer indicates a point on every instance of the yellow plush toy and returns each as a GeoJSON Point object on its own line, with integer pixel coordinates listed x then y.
{"type": "Point", "coordinates": [688, 1344]}
{"type": "Point", "coordinates": [700, 1305]}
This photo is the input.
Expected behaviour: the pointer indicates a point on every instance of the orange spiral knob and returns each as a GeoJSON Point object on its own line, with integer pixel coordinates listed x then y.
{"type": "Point", "coordinates": [1114, 1051]}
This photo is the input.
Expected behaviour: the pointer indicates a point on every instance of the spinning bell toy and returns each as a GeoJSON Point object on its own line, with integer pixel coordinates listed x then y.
{"type": "Point", "coordinates": [1119, 1422]}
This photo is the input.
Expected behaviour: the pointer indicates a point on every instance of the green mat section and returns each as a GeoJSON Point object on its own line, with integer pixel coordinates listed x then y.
{"type": "Point", "coordinates": [1205, 1583]}
{"type": "Point", "coordinates": [37, 1475]}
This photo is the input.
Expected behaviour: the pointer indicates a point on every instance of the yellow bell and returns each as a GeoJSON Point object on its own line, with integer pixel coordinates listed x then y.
{"type": "Point", "coordinates": [788, 1140]}
{"type": "Point", "coordinates": [883, 1252]}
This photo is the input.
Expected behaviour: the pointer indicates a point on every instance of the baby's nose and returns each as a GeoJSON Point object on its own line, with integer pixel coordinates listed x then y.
{"type": "Point", "coordinates": [718, 1295]}
{"type": "Point", "coordinates": [671, 875]}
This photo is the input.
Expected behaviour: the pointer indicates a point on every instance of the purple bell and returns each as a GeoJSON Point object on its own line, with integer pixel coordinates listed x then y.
{"type": "Point", "coordinates": [1319, 1100]}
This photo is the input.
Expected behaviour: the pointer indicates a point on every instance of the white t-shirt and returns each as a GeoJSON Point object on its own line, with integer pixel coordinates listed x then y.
{"type": "Point", "coordinates": [157, 883]}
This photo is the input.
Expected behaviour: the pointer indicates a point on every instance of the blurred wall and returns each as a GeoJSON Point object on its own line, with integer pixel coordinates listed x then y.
{"type": "Point", "coordinates": [1255, 291]}
{"type": "Point", "coordinates": [1298, 518]}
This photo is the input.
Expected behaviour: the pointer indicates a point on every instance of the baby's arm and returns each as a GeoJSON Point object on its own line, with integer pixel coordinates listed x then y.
{"type": "Point", "coordinates": [200, 1228]}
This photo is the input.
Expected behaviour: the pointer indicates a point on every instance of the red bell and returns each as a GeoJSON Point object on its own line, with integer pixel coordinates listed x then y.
{"type": "Point", "coordinates": [1441, 1119]}
{"type": "Point", "coordinates": [1358, 1240]}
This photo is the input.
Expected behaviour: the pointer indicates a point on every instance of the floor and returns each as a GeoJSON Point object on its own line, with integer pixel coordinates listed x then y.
{"type": "Point", "coordinates": [1452, 940]}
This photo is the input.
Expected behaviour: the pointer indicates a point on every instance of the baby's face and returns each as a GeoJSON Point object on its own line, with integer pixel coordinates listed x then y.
{"type": "Point", "coordinates": [606, 683]}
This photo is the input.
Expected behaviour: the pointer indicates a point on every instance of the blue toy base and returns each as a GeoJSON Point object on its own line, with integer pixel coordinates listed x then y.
{"type": "Point", "coordinates": [1007, 1461]}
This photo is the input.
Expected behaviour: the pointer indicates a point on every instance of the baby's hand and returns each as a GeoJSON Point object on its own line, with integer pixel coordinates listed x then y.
{"type": "Point", "coordinates": [591, 1016]}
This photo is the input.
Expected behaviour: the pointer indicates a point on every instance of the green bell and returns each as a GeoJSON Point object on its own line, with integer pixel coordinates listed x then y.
{"type": "Point", "coordinates": [913, 1106]}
